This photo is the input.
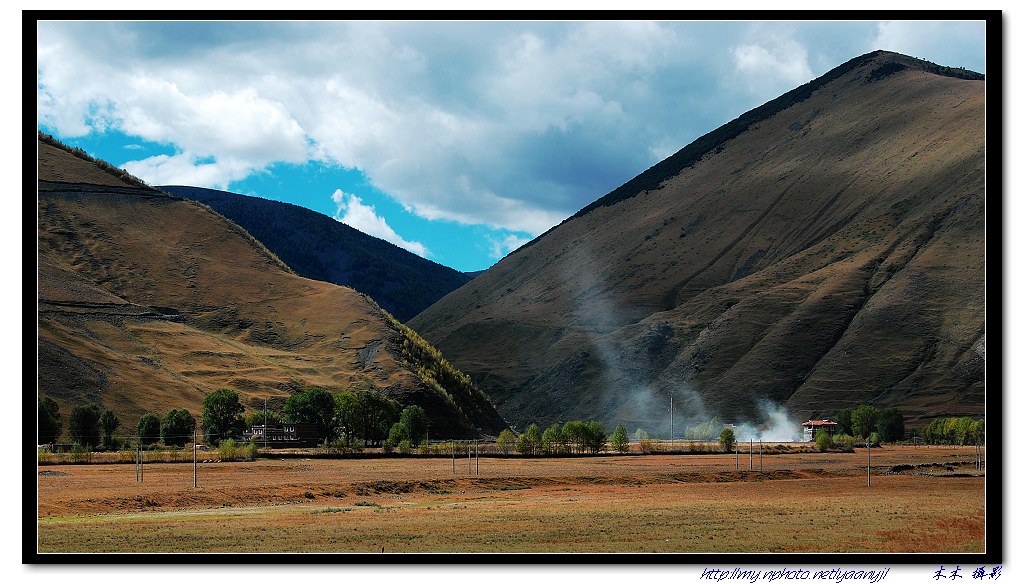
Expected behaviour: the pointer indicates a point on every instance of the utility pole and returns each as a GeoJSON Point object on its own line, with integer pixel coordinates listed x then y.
{"type": "Point", "coordinates": [868, 461]}
{"type": "Point", "coordinates": [760, 453]}
{"type": "Point", "coordinates": [737, 446]}
{"type": "Point", "coordinates": [266, 426]}
{"type": "Point", "coordinates": [751, 451]}
{"type": "Point", "coordinates": [671, 420]}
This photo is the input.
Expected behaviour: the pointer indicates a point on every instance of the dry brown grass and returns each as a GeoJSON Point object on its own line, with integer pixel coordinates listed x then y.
{"type": "Point", "coordinates": [656, 503]}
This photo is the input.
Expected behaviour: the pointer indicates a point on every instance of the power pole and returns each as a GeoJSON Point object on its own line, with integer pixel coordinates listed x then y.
{"type": "Point", "coordinates": [751, 451]}
{"type": "Point", "coordinates": [671, 420]}
{"type": "Point", "coordinates": [266, 426]}
{"type": "Point", "coordinates": [760, 453]}
{"type": "Point", "coordinates": [195, 449]}
{"type": "Point", "coordinates": [868, 461]}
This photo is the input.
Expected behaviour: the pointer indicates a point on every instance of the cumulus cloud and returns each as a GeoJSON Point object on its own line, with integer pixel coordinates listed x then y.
{"type": "Point", "coordinates": [352, 212]}
{"type": "Point", "coordinates": [778, 63]}
{"type": "Point", "coordinates": [502, 246]}
{"type": "Point", "coordinates": [510, 125]}
{"type": "Point", "coordinates": [945, 43]}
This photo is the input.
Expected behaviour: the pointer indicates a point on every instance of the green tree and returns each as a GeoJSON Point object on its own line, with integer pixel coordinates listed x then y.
{"type": "Point", "coordinates": [399, 433]}
{"type": "Point", "coordinates": [864, 420]}
{"type": "Point", "coordinates": [594, 437]}
{"type": "Point", "coordinates": [108, 424]}
{"type": "Point", "coordinates": [377, 414]}
{"type": "Point", "coordinates": [506, 441]}
{"type": "Point", "coordinates": [313, 406]}
{"type": "Point", "coordinates": [49, 421]}
{"type": "Point", "coordinates": [620, 439]}
{"type": "Point", "coordinates": [822, 440]}
{"type": "Point", "coordinates": [347, 417]}
{"type": "Point", "coordinates": [844, 419]}
{"type": "Point", "coordinates": [890, 425]}
{"type": "Point", "coordinates": [222, 416]}
{"type": "Point", "coordinates": [177, 427]}
{"type": "Point", "coordinates": [83, 425]}
{"type": "Point", "coordinates": [149, 429]}
{"type": "Point", "coordinates": [530, 440]}
{"type": "Point", "coordinates": [553, 440]}
{"type": "Point", "coordinates": [727, 439]}
{"type": "Point", "coordinates": [575, 434]}
{"type": "Point", "coordinates": [415, 419]}
{"type": "Point", "coordinates": [255, 418]}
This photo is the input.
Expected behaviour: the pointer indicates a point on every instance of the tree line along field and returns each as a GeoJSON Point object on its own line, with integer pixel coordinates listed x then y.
{"type": "Point", "coordinates": [921, 499]}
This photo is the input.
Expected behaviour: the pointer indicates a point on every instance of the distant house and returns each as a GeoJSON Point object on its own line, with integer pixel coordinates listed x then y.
{"type": "Point", "coordinates": [283, 435]}
{"type": "Point", "coordinates": [811, 428]}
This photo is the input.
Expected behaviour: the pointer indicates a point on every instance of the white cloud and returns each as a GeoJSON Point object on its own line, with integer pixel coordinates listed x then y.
{"type": "Point", "coordinates": [772, 66]}
{"type": "Point", "coordinates": [501, 247]}
{"type": "Point", "coordinates": [945, 43]}
{"type": "Point", "coordinates": [511, 125]}
{"type": "Point", "coordinates": [352, 212]}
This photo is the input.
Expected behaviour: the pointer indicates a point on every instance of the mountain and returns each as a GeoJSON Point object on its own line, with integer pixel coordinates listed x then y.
{"type": "Point", "coordinates": [822, 251]}
{"type": "Point", "coordinates": [319, 247]}
{"type": "Point", "coordinates": [148, 302]}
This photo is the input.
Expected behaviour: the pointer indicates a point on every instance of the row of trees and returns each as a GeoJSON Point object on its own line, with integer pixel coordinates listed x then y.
{"type": "Point", "coordinates": [365, 416]}
{"type": "Point", "coordinates": [954, 431]}
{"type": "Point", "coordinates": [574, 437]}
{"type": "Point", "coordinates": [865, 420]}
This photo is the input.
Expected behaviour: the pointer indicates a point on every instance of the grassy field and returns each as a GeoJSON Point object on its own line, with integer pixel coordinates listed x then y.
{"type": "Point", "coordinates": [656, 503]}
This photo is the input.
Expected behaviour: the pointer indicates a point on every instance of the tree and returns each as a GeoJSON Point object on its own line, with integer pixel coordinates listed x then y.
{"type": "Point", "coordinates": [399, 433]}
{"type": "Point", "coordinates": [864, 420]}
{"type": "Point", "coordinates": [347, 417]}
{"type": "Point", "coordinates": [575, 434]}
{"type": "Point", "coordinates": [530, 440]}
{"type": "Point", "coordinates": [822, 440]}
{"type": "Point", "coordinates": [594, 437]}
{"type": "Point", "coordinates": [890, 425]}
{"type": "Point", "coordinates": [177, 427]}
{"type": "Point", "coordinates": [415, 419]}
{"type": "Point", "coordinates": [620, 439]}
{"type": "Point", "coordinates": [553, 439]}
{"type": "Point", "coordinates": [727, 439]}
{"type": "Point", "coordinates": [844, 419]}
{"type": "Point", "coordinates": [506, 441]}
{"type": "Point", "coordinates": [149, 429]}
{"type": "Point", "coordinates": [222, 416]}
{"type": "Point", "coordinates": [108, 423]}
{"type": "Point", "coordinates": [255, 418]}
{"type": "Point", "coordinates": [83, 425]}
{"type": "Point", "coordinates": [313, 406]}
{"type": "Point", "coordinates": [49, 421]}
{"type": "Point", "coordinates": [377, 414]}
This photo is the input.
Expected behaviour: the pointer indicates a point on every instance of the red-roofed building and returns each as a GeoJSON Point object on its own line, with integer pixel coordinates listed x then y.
{"type": "Point", "coordinates": [811, 428]}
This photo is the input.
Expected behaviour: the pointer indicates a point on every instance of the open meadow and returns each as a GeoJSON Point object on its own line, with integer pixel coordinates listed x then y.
{"type": "Point", "coordinates": [921, 499]}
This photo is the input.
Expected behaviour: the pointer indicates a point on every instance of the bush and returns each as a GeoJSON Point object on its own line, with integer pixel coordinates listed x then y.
{"type": "Point", "coordinates": [644, 440]}
{"type": "Point", "coordinates": [228, 449]}
{"type": "Point", "coordinates": [727, 439]}
{"type": "Point", "coordinates": [81, 453]}
{"type": "Point", "coordinates": [822, 440]}
{"type": "Point", "coordinates": [404, 447]}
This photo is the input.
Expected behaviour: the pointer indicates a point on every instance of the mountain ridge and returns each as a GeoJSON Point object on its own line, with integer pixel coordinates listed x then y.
{"type": "Point", "coordinates": [826, 255]}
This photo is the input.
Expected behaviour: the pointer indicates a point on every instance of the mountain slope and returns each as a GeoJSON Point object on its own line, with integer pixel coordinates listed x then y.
{"type": "Point", "coordinates": [148, 302]}
{"type": "Point", "coordinates": [318, 247]}
{"type": "Point", "coordinates": [822, 251]}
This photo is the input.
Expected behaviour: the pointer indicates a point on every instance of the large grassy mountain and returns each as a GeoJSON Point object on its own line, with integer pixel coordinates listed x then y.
{"type": "Point", "coordinates": [316, 246]}
{"type": "Point", "coordinates": [148, 302]}
{"type": "Point", "coordinates": [822, 251]}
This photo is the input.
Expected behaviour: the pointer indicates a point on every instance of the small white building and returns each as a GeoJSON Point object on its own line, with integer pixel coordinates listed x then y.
{"type": "Point", "coordinates": [811, 428]}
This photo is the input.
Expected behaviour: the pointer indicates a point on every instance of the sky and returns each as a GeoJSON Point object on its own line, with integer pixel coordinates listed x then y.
{"type": "Point", "coordinates": [458, 141]}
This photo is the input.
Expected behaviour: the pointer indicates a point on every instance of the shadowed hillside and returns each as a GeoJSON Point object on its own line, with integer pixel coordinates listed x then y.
{"type": "Point", "coordinates": [316, 246]}
{"type": "Point", "coordinates": [822, 251]}
{"type": "Point", "coordinates": [148, 302]}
